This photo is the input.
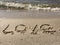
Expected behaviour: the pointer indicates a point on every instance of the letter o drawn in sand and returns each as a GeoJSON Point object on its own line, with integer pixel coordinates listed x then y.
{"type": "Point", "coordinates": [20, 28]}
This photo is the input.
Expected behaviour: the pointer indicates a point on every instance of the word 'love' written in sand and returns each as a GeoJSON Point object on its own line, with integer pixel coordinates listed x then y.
{"type": "Point", "coordinates": [22, 28]}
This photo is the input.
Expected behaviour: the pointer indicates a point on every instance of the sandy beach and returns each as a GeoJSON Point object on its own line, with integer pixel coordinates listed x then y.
{"type": "Point", "coordinates": [27, 38]}
{"type": "Point", "coordinates": [29, 27]}
{"type": "Point", "coordinates": [29, 22]}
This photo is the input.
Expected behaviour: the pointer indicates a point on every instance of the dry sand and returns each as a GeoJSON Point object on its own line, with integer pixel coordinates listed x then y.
{"type": "Point", "coordinates": [27, 38]}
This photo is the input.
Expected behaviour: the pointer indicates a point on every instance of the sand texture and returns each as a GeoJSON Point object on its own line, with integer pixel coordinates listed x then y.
{"type": "Point", "coordinates": [26, 37]}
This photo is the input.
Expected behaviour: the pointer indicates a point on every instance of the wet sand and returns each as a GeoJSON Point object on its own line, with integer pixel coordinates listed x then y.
{"type": "Point", "coordinates": [29, 14]}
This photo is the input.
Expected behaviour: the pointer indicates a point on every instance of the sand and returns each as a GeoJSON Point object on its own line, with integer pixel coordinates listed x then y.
{"type": "Point", "coordinates": [27, 38]}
